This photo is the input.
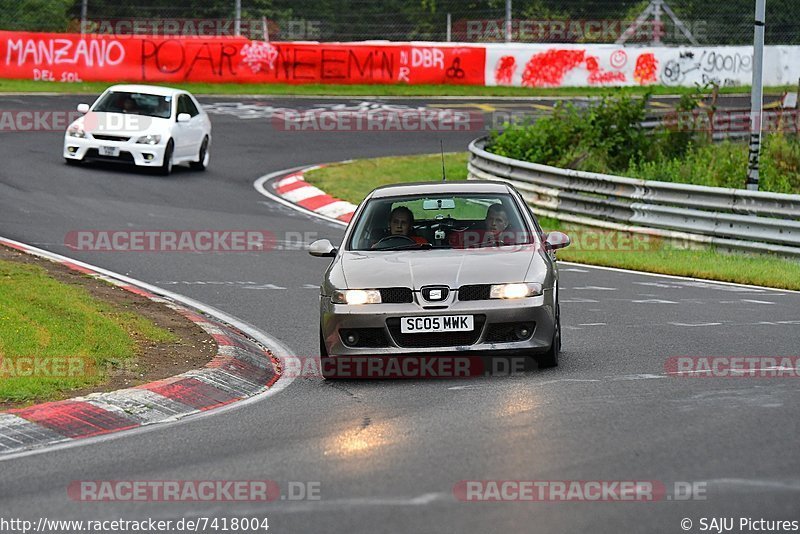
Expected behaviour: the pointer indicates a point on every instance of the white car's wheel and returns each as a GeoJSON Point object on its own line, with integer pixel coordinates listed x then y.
{"type": "Point", "coordinates": [203, 157]}
{"type": "Point", "coordinates": [166, 167]}
{"type": "Point", "coordinates": [72, 162]}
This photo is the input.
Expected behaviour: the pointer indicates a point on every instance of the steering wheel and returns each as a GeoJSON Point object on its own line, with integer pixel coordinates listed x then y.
{"type": "Point", "coordinates": [400, 240]}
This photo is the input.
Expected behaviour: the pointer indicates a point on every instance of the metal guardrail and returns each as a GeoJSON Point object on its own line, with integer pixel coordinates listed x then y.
{"type": "Point", "coordinates": [728, 218]}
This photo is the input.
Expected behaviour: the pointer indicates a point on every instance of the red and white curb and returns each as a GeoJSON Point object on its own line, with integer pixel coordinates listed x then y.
{"type": "Point", "coordinates": [294, 189]}
{"type": "Point", "coordinates": [245, 365]}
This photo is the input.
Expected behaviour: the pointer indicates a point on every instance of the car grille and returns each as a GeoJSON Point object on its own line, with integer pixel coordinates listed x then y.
{"type": "Point", "coordinates": [124, 157]}
{"type": "Point", "coordinates": [436, 339]}
{"type": "Point", "coordinates": [111, 138]}
{"type": "Point", "coordinates": [506, 332]}
{"type": "Point", "coordinates": [396, 295]}
{"type": "Point", "coordinates": [477, 292]}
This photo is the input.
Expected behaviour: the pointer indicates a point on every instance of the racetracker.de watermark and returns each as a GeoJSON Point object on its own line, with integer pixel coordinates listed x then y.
{"type": "Point", "coordinates": [787, 121]}
{"type": "Point", "coordinates": [733, 366]}
{"type": "Point", "coordinates": [260, 29]}
{"type": "Point", "coordinates": [36, 120]}
{"type": "Point", "coordinates": [192, 490]}
{"type": "Point", "coordinates": [577, 491]}
{"type": "Point", "coordinates": [171, 240]}
{"type": "Point", "coordinates": [411, 120]}
{"type": "Point", "coordinates": [30, 120]}
{"type": "Point", "coordinates": [574, 30]}
{"type": "Point", "coordinates": [390, 367]}
{"type": "Point", "coordinates": [48, 367]}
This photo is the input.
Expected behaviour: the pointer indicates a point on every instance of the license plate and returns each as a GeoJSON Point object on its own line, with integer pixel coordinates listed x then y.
{"type": "Point", "coordinates": [112, 151]}
{"type": "Point", "coordinates": [442, 323]}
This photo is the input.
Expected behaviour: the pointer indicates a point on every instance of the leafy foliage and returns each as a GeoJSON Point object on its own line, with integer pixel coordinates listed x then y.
{"type": "Point", "coordinates": [606, 137]}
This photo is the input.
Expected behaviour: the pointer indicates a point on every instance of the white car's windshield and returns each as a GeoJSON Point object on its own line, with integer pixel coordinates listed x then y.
{"type": "Point", "coordinates": [135, 104]}
{"type": "Point", "coordinates": [440, 221]}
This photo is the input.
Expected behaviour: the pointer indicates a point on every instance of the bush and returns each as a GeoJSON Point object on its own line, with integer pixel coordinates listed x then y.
{"type": "Point", "coordinates": [607, 137]}
{"type": "Point", "coordinates": [603, 136]}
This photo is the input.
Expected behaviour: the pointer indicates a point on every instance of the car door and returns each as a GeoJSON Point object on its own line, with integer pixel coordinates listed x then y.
{"type": "Point", "coordinates": [189, 134]}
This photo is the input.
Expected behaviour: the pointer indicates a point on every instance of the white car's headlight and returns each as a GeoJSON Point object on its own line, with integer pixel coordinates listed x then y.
{"type": "Point", "coordinates": [76, 131]}
{"type": "Point", "coordinates": [149, 140]}
{"type": "Point", "coordinates": [515, 291]}
{"type": "Point", "coordinates": [355, 297]}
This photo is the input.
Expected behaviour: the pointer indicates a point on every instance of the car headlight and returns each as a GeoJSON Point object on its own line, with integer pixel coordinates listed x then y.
{"type": "Point", "coordinates": [515, 291]}
{"type": "Point", "coordinates": [149, 140]}
{"type": "Point", "coordinates": [355, 297]}
{"type": "Point", "coordinates": [76, 131]}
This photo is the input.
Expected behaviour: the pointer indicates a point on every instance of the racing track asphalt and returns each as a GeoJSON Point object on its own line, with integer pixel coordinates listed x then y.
{"type": "Point", "coordinates": [387, 454]}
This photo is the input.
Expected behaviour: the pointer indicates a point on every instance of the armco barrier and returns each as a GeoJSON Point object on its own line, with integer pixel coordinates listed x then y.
{"type": "Point", "coordinates": [728, 218]}
{"type": "Point", "coordinates": [171, 59]}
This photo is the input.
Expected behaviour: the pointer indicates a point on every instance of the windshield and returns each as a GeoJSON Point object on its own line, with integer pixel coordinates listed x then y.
{"type": "Point", "coordinates": [440, 221]}
{"type": "Point", "coordinates": [135, 104]}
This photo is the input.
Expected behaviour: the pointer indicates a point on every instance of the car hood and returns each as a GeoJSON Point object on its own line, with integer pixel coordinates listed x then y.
{"type": "Point", "coordinates": [454, 268]}
{"type": "Point", "coordinates": [122, 124]}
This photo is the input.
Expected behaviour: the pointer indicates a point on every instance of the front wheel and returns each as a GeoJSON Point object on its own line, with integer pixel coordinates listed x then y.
{"type": "Point", "coordinates": [326, 363]}
{"type": "Point", "coordinates": [203, 157]}
{"type": "Point", "coordinates": [72, 162]}
{"type": "Point", "coordinates": [166, 167]}
{"type": "Point", "coordinates": [550, 358]}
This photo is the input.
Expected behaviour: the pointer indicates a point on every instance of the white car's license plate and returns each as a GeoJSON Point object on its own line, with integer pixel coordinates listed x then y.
{"type": "Point", "coordinates": [112, 151]}
{"type": "Point", "coordinates": [442, 323]}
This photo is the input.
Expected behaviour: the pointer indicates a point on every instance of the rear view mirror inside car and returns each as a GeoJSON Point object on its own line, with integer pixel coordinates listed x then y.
{"type": "Point", "coordinates": [439, 204]}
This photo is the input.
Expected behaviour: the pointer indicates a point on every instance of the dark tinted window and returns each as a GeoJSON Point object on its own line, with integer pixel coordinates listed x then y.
{"type": "Point", "coordinates": [185, 105]}
{"type": "Point", "coordinates": [135, 104]}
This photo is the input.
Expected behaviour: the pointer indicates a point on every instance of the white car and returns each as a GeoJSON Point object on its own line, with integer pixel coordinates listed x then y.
{"type": "Point", "coordinates": [147, 125]}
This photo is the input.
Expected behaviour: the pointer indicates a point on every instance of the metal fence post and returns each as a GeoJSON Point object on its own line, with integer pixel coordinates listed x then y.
{"type": "Point", "coordinates": [508, 21]}
{"type": "Point", "coordinates": [756, 97]}
{"type": "Point", "coordinates": [449, 27]}
{"type": "Point", "coordinates": [237, 28]}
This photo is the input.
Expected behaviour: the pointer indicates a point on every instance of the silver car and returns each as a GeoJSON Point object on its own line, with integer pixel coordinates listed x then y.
{"type": "Point", "coordinates": [441, 268]}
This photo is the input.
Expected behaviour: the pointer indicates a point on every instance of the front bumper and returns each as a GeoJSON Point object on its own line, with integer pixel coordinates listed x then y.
{"type": "Point", "coordinates": [489, 316]}
{"type": "Point", "coordinates": [77, 148]}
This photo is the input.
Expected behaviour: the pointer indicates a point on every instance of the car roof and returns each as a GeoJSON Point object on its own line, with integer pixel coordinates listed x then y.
{"type": "Point", "coordinates": [146, 89]}
{"type": "Point", "coordinates": [432, 188]}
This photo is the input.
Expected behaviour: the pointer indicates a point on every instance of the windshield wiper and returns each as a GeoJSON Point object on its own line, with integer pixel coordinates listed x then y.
{"type": "Point", "coordinates": [420, 246]}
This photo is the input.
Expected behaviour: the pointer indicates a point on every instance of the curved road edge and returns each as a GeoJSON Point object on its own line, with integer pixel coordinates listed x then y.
{"type": "Point", "coordinates": [289, 188]}
{"type": "Point", "coordinates": [246, 368]}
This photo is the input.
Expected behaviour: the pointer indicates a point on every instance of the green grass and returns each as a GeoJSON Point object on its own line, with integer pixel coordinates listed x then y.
{"type": "Point", "coordinates": [353, 181]}
{"type": "Point", "coordinates": [7, 86]}
{"type": "Point", "coordinates": [43, 318]}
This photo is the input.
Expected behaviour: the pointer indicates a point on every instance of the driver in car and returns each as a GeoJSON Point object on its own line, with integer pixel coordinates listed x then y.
{"type": "Point", "coordinates": [401, 223]}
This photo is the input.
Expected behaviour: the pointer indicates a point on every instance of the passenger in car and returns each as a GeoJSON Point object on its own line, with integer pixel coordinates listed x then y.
{"type": "Point", "coordinates": [496, 219]}
{"type": "Point", "coordinates": [493, 230]}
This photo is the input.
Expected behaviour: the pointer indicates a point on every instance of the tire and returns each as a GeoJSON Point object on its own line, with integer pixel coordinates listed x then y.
{"type": "Point", "coordinates": [326, 363]}
{"type": "Point", "coordinates": [72, 162]}
{"type": "Point", "coordinates": [203, 157]}
{"type": "Point", "coordinates": [550, 358]}
{"type": "Point", "coordinates": [166, 167]}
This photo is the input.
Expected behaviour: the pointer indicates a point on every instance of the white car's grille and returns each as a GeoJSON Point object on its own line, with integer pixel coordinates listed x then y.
{"type": "Point", "coordinates": [103, 137]}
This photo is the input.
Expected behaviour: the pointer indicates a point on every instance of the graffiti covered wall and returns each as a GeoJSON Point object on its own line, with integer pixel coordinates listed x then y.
{"type": "Point", "coordinates": [65, 57]}
{"type": "Point", "coordinates": [73, 58]}
{"type": "Point", "coordinates": [612, 65]}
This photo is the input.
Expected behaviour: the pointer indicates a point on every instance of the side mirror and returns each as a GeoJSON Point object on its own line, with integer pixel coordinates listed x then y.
{"type": "Point", "coordinates": [322, 248]}
{"type": "Point", "coordinates": [557, 240]}
{"type": "Point", "coordinates": [83, 108]}
{"type": "Point", "coordinates": [184, 117]}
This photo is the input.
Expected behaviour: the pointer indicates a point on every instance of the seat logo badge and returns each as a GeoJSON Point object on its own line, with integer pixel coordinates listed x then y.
{"type": "Point", "coordinates": [435, 294]}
